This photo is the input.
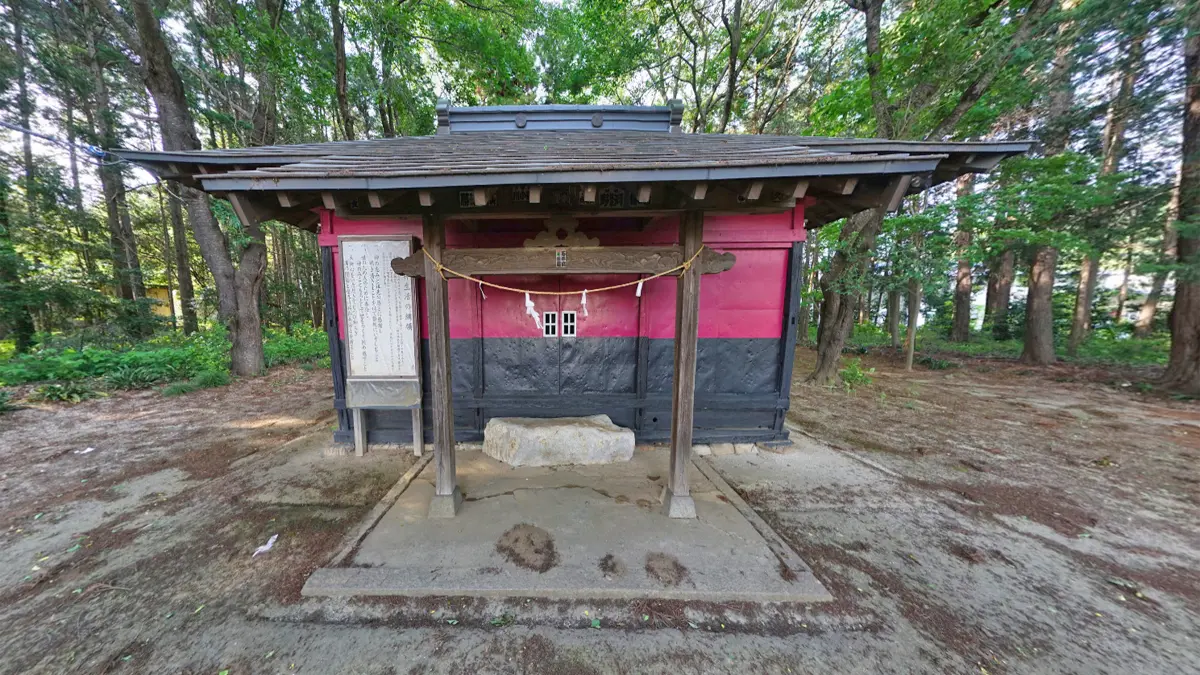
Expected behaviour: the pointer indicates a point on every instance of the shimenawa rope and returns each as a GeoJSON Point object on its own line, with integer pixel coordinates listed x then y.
{"type": "Point", "coordinates": [443, 270]}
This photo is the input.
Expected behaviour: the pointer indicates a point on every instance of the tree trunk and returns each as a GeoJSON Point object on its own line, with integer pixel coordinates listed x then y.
{"type": "Point", "coordinates": [183, 263]}
{"type": "Point", "coordinates": [1039, 306]}
{"type": "Point", "coordinates": [1123, 290]}
{"type": "Point", "coordinates": [1113, 145]}
{"type": "Point", "coordinates": [126, 264]}
{"type": "Point", "coordinates": [838, 309]}
{"type": "Point", "coordinates": [20, 313]}
{"type": "Point", "coordinates": [914, 313]}
{"type": "Point", "coordinates": [1183, 364]}
{"type": "Point", "coordinates": [805, 310]}
{"type": "Point", "coordinates": [1145, 321]}
{"type": "Point", "coordinates": [339, 60]}
{"type": "Point", "coordinates": [1001, 273]}
{"type": "Point", "coordinates": [264, 118]}
{"type": "Point", "coordinates": [167, 250]}
{"type": "Point", "coordinates": [960, 330]}
{"type": "Point", "coordinates": [80, 214]}
{"type": "Point", "coordinates": [893, 316]}
{"type": "Point", "coordinates": [1081, 318]}
{"type": "Point", "coordinates": [1039, 311]}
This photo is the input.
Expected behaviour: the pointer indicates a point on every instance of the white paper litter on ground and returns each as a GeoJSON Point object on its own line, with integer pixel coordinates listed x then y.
{"type": "Point", "coordinates": [83, 452]}
{"type": "Point", "coordinates": [265, 547]}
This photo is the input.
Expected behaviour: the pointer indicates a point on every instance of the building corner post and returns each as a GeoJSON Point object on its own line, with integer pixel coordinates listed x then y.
{"type": "Point", "coordinates": [447, 497]}
{"type": "Point", "coordinates": [677, 495]}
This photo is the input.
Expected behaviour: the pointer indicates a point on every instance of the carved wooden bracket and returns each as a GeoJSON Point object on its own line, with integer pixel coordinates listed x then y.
{"type": "Point", "coordinates": [597, 260]}
{"type": "Point", "coordinates": [549, 238]}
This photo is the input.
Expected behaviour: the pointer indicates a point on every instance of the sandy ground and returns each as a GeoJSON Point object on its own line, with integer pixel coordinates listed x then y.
{"type": "Point", "coordinates": [982, 519]}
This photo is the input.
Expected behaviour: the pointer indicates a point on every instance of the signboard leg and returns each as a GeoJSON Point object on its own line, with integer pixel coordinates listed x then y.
{"type": "Point", "coordinates": [360, 431]}
{"type": "Point", "coordinates": [418, 432]}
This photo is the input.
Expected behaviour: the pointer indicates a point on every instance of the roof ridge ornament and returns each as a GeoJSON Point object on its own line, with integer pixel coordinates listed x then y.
{"type": "Point", "coordinates": [443, 116]}
{"type": "Point", "coordinates": [676, 107]}
{"type": "Point", "coordinates": [569, 117]}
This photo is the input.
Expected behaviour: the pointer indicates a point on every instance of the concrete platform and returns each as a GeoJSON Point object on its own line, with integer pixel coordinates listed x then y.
{"type": "Point", "coordinates": [577, 532]}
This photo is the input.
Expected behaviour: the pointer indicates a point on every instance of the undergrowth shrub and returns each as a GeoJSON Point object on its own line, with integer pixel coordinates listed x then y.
{"type": "Point", "coordinates": [204, 380]}
{"type": "Point", "coordinates": [64, 392]}
{"type": "Point", "coordinates": [134, 377]}
{"type": "Point", "coordinates": [162, 358]}
{"type": "Point", "coordinates": [853, 375]}
{"type": "Point", "coordinates": [6, 404]}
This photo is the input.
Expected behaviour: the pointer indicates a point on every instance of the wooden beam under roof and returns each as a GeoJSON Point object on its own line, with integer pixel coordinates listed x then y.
{"type": "Point", "coordinates": [589, 260]}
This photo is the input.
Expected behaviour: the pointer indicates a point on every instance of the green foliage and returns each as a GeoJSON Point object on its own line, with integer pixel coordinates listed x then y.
{"type": "Point", "coordinates": [6, 404]}
{"type": "Point", "coordinates": [211, 378]}
{"type": "Point", "coordinates": [935, 363]}
{"type": "Point", "coordinates": [160, 359]}
{"type": "Point", "coordinates": [204, 380]}
{"type": "Point", "coordinates": [64, 392]}
{"type": "Point", "coordinates": [179, 388]}
{"type": "Point", "coordinates": [133, 377]}
{"type": "Point", "coordinates": [303, 343]}
{"type": "Point", "coordinates": [853, 375]}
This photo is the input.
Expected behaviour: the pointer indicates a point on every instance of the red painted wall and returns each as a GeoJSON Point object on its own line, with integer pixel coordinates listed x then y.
{"type": "Point", "coordinates": [745, 302]}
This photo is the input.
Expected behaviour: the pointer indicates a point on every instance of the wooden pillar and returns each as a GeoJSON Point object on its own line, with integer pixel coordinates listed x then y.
{"type": "Point", "coordinates": [447, 497]}
{"type": "Point", "coordinates": [677, 496]}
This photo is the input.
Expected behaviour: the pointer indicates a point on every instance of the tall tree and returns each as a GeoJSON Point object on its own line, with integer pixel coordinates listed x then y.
{"type": "Point", "coordinates": [20, 314]}
{"type": "Point", "coordinates": [1112, 149]}
{"type": "Point", "coordinates": [1144, 325]}
{"type": "Point", "coordinates": [860, 231]}
{"type": "Point", "coordinates": [237, 286]}
{"type": "Point", "coordinates": [1038, 348]}
{"type": "Point", "coordinates": [339, 57]}
{"type": "Point", "coordinates": [1183, 365]}
{"type": "Point", "coordinates": [960, 331]}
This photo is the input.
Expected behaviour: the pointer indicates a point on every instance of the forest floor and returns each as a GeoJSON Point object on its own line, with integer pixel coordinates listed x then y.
{"type": "Point", "coordinates": [987, 518]}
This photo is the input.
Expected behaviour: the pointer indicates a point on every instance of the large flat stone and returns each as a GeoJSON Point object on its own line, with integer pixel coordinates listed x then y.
{"type": "Point", "coordinates": [528, 441]}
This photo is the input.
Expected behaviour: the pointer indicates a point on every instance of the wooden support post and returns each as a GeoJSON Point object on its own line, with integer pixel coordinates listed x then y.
{"type": "Point", "coordinates": [359, 418]}
{"type": "Point", "coordinates": [446, 497]}
{"type": "Point", "coordinates": [328, 201]}
{"type": "Point", "coordinates": [752, 192]}
{"type": "Point", "coordinates": [418, 432]}
{"type": "Point", "coordinates": [677, 496]}
{"type": "Point", "coordinates": [286, 200]}
{"type": "Point", "coordinates": [800, 190]}
{"type": "Point", "coordinates": [373, 200]}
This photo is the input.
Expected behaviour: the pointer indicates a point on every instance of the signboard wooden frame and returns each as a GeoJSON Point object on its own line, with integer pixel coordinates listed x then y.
{"type": "Point", "coordinates": [367, 388]}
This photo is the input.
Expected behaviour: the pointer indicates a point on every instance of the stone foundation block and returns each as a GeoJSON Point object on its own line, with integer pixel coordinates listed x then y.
{"type": "Point", "coordinates": [528, 441]}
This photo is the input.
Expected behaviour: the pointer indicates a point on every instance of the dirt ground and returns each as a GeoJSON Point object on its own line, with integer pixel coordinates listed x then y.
{"type": "Point", "coordinates": [981, 519]}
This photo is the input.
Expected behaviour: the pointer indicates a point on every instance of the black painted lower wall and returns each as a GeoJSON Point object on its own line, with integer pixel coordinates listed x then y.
{"type": "Point", "coordinates": [737, 387]}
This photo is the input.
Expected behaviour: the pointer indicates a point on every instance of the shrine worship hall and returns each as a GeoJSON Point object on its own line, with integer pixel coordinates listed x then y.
{"type": "Point", "coordinates": [565, 261]}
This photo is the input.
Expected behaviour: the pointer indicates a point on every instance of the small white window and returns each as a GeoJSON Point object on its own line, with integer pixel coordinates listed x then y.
{"type": "Point", "coordinates": [568, 324]}
{"type": "Point", "coordinates": [549, 324]}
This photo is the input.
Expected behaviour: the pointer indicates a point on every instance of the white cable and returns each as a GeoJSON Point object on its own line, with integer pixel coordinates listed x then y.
{"type": "Point", "coordinates": [585, 302]}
